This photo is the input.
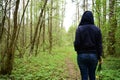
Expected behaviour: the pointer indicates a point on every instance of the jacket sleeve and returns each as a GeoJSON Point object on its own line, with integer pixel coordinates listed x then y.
{"type": "Point", "coordinates": [99, 44]}
{"type": "Point", "coordinates": [77, 40]}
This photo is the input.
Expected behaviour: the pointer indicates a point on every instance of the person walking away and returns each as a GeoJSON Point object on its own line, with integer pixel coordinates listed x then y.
{"type": "Point", "coordinates": [88, 45]}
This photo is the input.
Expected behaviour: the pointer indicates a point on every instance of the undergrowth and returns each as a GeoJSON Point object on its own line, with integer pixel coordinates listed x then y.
{"type": "Point", "coordinates": [43, 67]}
{"type": "Point", "coordinates": [110, 69]}
{"type": "Point", "coordinates": [52, 66]}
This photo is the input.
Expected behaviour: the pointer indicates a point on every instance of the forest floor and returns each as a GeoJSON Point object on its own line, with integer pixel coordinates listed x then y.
{"type": "Point", "coordinates": [73, 73]}
{"type": "Point", "coordinates": [60, 65]}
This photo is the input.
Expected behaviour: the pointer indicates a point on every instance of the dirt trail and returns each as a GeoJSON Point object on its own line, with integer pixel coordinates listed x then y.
{"type": "Point", "coordinates": [73, 72]}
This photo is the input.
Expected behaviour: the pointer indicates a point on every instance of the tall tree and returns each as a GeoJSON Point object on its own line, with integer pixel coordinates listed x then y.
{"type": "Point", "coordinates": [77, 12]}
{"type": "Point", "coordinates": [84, 5]}
{"type": "Point", "coordinates": [50, 27]}
{"type": "Point", "coordinates": [98, 12]}
{"type": "Point", "coordinates": [9, 25]}
{"type": "Point", "coordinates": [1, 15]}
{"type": "Point", "coordinates": [112, 27]}
{"type": "Point", "coordinates": [23, 33]}
{"type": "Point", "coordinates": [93, 5]}
{"type": "Point", "coordinates": [104, 12]}
{"type": "Point", "coordinates": [7, 65]}
{"type": "Point", "coordinates": [31, 21]}
{"type": "Point", "coordinates": [4, 12]}
{"type": "Point", "coordinates": [44, 30]}
{"type": "Point", "coordinates": [19, 28]}
{"type": "Point", "coordinates": [63, 12]}
{"type": "Point", "coordinates": [104, 26]}
{"type": "Point", "coordinates": [37, 27]}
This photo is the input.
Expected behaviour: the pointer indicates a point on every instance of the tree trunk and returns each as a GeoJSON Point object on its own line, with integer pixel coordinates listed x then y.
{"type": "Point", "coordinates": [3, 19]}
{"type": "Point", "coordinates": [104, 25]}
{"type": "Point", "coordinates": [8, 31]}
{"type": "Point", "coordinates": [77, 12]}
{"type": "Point", "coordinates": [37, 27]}
{"type": "Point", "coordinates": [23, 33]}
{"type": "Point", "coordinates": [44, 31]}
{"type": "Point", "coordinates": [63, 12]}
{"type": "Point", "coordinates": [93, 6]}
{"type": "Point", "coordinates": [84, 5]}
{"type": "Point", "coordinates": [98, 12]}
{"type": "Point", "coordinates": [112, 28]}
{"type": "Point", "coordinates": [31, 31]}
{"type": "Point", "coordinates": [7, 66]}
{"type": "Point", "coordinates": [1, 16]}
{"type": "Point", "coordinates": [50, 29]}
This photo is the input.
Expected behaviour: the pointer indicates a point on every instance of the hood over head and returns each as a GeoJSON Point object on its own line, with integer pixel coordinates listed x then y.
{"type": "Point", "coordinates": [87, 18]}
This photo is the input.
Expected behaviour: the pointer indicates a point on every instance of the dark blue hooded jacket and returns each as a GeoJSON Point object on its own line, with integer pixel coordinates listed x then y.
{"type": "Point", "coordinates": [88, 37]}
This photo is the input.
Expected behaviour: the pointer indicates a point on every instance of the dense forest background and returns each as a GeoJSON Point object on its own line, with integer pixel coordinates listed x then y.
{"type": "Point", "coordinates": [34, 44]}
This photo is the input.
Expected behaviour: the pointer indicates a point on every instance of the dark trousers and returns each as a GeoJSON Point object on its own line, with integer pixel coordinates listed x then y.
{"type": "Point", "coordinates": [87, 63]}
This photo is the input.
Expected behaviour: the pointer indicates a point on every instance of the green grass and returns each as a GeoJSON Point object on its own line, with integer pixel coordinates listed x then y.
{"type": "Point", "coordinates": [43, 67]}
{"type": "Point", "coordinates": [52, 66]}
{"type": "Point", "coordinates": [111, 69]}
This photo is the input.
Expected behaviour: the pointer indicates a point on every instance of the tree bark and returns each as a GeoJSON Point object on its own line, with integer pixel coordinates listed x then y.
{"type": "Point", "coordinates": [77, 12]}
{"type": "Point", "coordinates": [50, 29]}
{"type": "Point", "coordinates": [3, 20]}
{"type": "Point", "coordinates": [8, 64]}
{"type": "Point", "coordinates": [84, 5]}
{"type": "Point", "coordinates": [37, 27]}
{"type": "Point", "coordinates": [104, 25]}
{"type": "Point", "coordinates": [31, 22]}
{"type": "Point", "coordinates": [93, 5]}
{"type": "Point", "coordinates": [44, 31]}
{"type": "Point", "coordinates": [98, 12]}
{"type": "Point", "coordinates": [9, 25]}
{"type": "Point", "coordinates": [63, 12]}
{"type": "Point", "coordinates": [112, 28]}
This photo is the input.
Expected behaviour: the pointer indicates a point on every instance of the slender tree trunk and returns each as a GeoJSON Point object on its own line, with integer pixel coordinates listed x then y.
{"type": "Point", "coordinates": [44, 31]}
{"type": "Point", "coordinates": [1, 16]}
{"type": "Point", "coordinates": [50, 29]}
{"type": "Point", "coordinates": [93, 6]}
{"type": "Point", "coordinates": [104, 12]}
{"type": "Point", "coordinates": [31, 29]}
{"type": "Point", "coordinates": [104, 24]}
{"type": "Point", "coordinates": [112, 28]}
{"type": "Point", "coordinates": [3, 19]}
{"type": "Point", "coordinates": [19, 27]}
{"type": "Point", "coordinates": [8, 32]}
{"type": "Point", "coordinates": [84, 5]}
{"type": "Point", "coordinates": [23, 33]}
{"type": "Point", "coordinates": [98, 12]}
{"type": "Point", "coordinates": [37, 27]}
{"type": "Point", "coordinates": [77, 12]}
{"type": "Point", "coordinates": [8, 66]}
{"type": "Point", "coordinates": [23, 27]}
{"type": "Point", "coordinates": [38, 38]}
{"type": "Point", "coordinates": [63, 12]}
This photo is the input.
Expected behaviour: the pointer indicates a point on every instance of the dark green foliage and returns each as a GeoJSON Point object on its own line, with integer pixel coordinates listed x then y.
{"type": "Point", "coordinates": [110, 69]}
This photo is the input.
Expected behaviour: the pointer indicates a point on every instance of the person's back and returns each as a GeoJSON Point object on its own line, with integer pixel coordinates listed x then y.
{"type": "Point", "coordinates": [88, 44]}
{"type": "Point", "coordinates": [88, 35]}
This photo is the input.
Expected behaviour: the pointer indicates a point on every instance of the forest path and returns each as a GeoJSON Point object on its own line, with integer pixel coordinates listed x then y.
{"type": "Point", "coordinates": [73, 72]}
